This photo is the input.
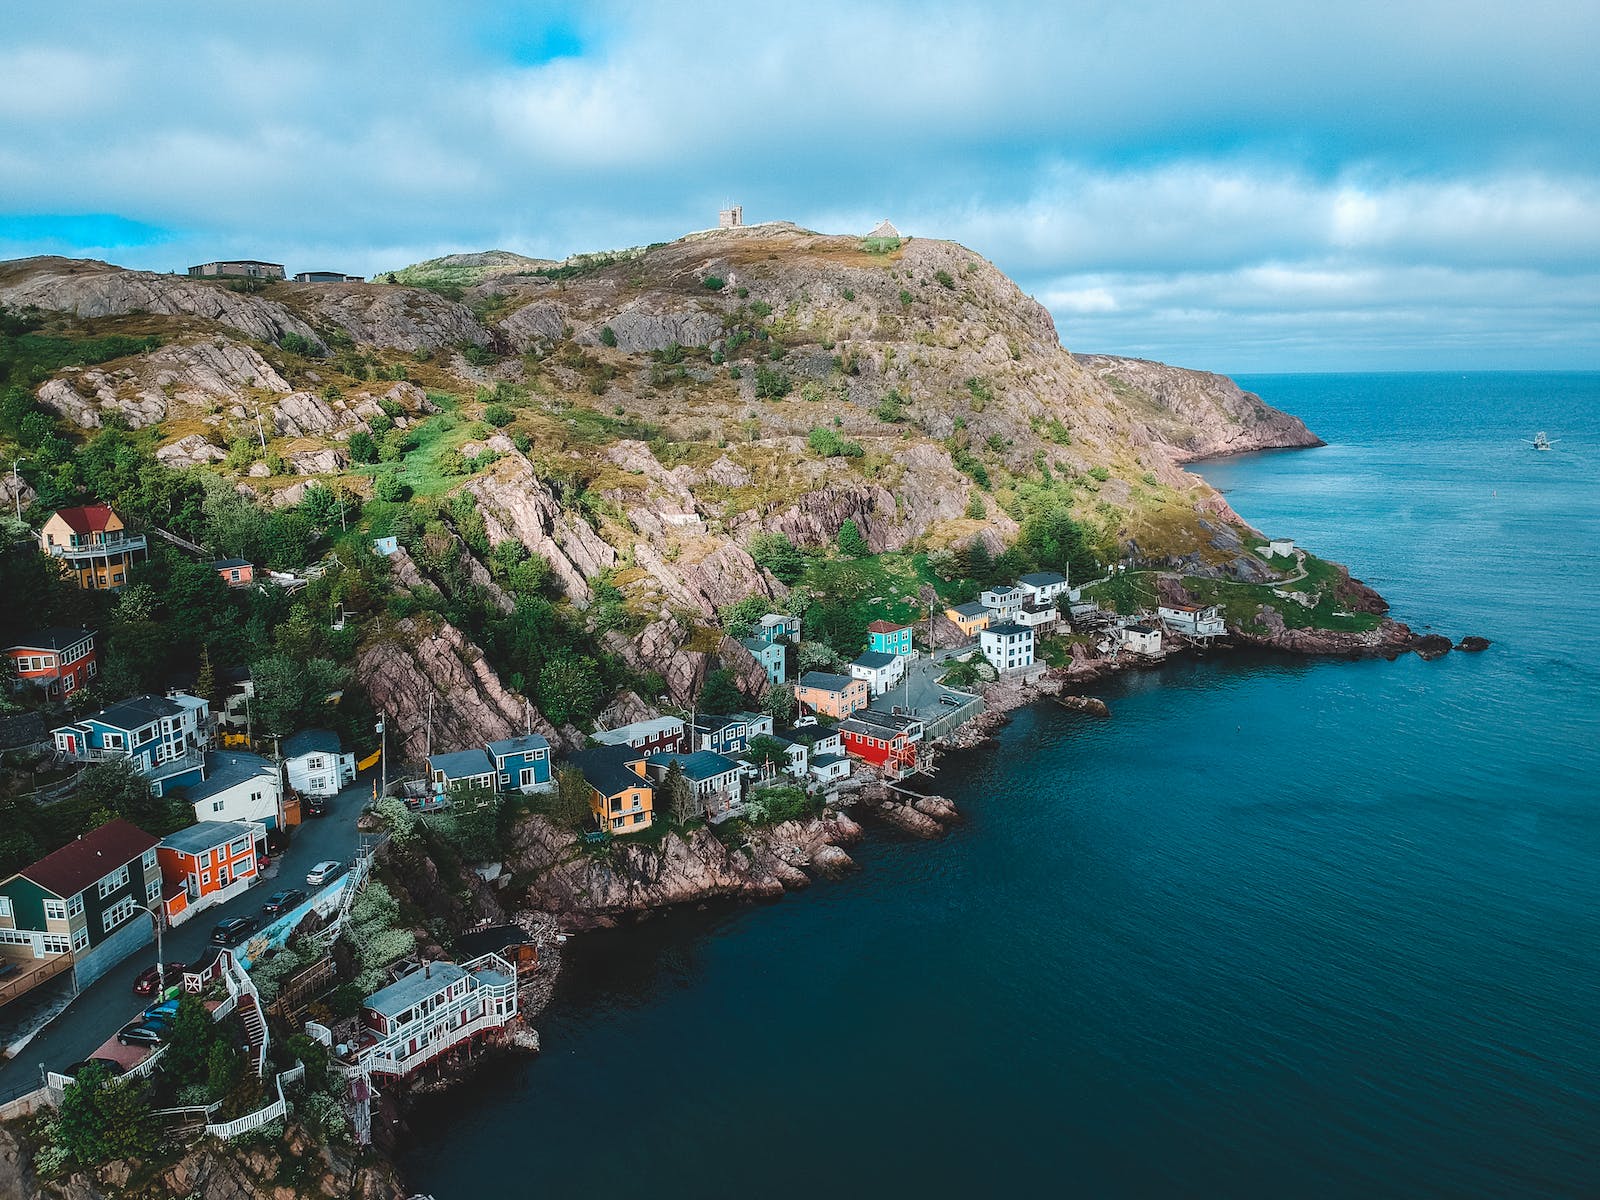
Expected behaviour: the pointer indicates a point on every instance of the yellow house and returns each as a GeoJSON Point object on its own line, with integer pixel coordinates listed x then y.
{"type": "Point", "coordinates": [92, 545]}
{"type": "Point", "coordinates": [620, 795]}
{"type": "Point", "coordinates": [972, 619]}
{"type": "Point", "coordinates": [831, 695]}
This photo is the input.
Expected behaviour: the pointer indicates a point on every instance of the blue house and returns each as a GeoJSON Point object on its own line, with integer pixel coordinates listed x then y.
{"type": "Point", "coordinates": [522, 764]}
{"type": "Point", "coordinates": [163, 736]}
{"type": "Point", "coordinates": [778, 627]}
{"type": "Point", "coordinates": [770, 655]}
{"type": "Point", "coordinates": [722, 735]}
{"type": "Point", "coordinates": [454, 772]}
{"type": "Point", "coordinates": [889, 637]}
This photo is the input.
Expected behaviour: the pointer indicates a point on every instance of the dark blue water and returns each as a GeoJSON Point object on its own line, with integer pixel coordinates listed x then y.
{"type": "Point", "coordinates": [1276, 929]}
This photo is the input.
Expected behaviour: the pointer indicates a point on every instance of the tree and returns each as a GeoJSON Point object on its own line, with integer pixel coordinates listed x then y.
{"type": "Point", "coordinates": [776, 553]}
{"type": "Point", "coordinates": [570, 805]}
{"type": "Point", "coordinates": [291, 693]}
{"type": "Point", "coordinates": [205, 684]}
{"type": "Point", "coordinates": [608, 336]}
{"type": "Point", "coordinates": [102, 1119]}
{"type": "Point", "coordinates": [976, 509]}
{"type": "Point", "coordinates": [740, 618]}
{"type": "Point", "coordinates": [819, 656]}
{"type": "Point", "coordinates": [189, 1048]}
{"type": "Point", "coordinates": [779, 704]}
{"type": "Point", "coordinates": [679, 795]}
{"type": "Point", "coordinates": [362, 446]}
{"type": "Point", "coordinates": [569, 688]}
{"type": "Point", "coordinates": [117, 787]}
{"type": "Point", "coordinates": [768, 752]}
{"type": "Point", "coordinates": [851, 543]}
{"type": "Point", "coordinates": [721, 692]}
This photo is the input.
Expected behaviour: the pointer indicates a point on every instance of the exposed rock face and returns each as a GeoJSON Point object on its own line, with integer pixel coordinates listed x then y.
{"type": "Point", "coordinates": [398, 318]}
{"type": "Point", "coordinates": [661, 648]}
{"type": "Point", "coordinates": [1198, 414]}
{"type": "Point", "coordinates": [516, 504]}
{"type": "Point", "coordinates": [415, 661]}
{"type": "Point", "coordinates": [1389, 639]}
{"type": "Point", "coordinates": [643, 327]}
{"type": "Point", "coordinates": [97, 289]}
{"type": "Point", "coordinates": [595, 888]}
{"type": "Point", "coordinates": [1431, 646]}
{"type": "Point", "coordinates": [1473, 645]}
{"type": "Point", "coordinates": [190, 451]}
{"type": "Point", "coordinates": [213, 1170]}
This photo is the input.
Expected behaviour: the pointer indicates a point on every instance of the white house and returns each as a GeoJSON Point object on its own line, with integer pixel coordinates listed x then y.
{"type": "Point", "coordinates": [826, 761]}
{"type": "Point", "coordinates": [238, 787]}
{"type": "Point", "coordinates": [435, 1008]}
{"type": "Point", "coordinates": [1198, 621]}
{"type": "Point", "coordinates": [316, 763]}
{"type": "Point", "coordinates": [1141, 639]}
{"type": "Point", "coordinates": [1042, 587]}
{"type": "Point", "coordinates": [1008, 647]}
{"type": "Point", "coordinates": [1003, 602]}
{"type": "Point", "coordinates": [1038, 617]}
{"type": "Point", "coordinates": [881, 671]}
{"type": "Point", "coordinates": [1280, 548]}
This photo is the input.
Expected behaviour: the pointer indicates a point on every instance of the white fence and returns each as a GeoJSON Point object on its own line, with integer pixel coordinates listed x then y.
{"type": "Point", "coordinates": [264, 1116]}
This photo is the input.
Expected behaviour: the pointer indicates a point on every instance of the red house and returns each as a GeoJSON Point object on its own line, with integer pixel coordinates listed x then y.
{"type": "Point", "coordinates": [885, 741]}
{"type": "Point", "coordinates": [235, 572]}
{"type": "Point", "coordinates": [59, 660]}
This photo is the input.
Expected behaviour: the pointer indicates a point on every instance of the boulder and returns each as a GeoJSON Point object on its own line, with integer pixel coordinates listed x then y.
{"type": "Point", "coordinates": [1431, 646]}
{"type": "Point", "coordinates": [1473, 645]}
{"type": "Point", "coordinates": [190, 451]}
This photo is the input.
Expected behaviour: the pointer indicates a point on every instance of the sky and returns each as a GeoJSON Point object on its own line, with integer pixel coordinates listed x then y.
{"type": "Point", "coordinates": [1241, 187]}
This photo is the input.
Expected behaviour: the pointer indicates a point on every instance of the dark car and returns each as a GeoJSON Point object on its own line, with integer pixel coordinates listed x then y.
{"type": "Point", "coordinates": [316, 806]}
{"type": "Point", "coordinates": [112, 1066]}
{"type": "Point", "coordinates": [143, 1032]}
{"type": "Point", "coordinates": [281, 902]}
{"type": "Point", "coordinates": [172, 973]}
{"type": "Point", "coordinates": [234, 930]}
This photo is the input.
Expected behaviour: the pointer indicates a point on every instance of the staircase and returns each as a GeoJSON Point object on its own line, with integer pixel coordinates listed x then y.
{"type": "Point", "coordinates": [255, 1027]}
{"type": "Point", "coordinates": [185, 543]}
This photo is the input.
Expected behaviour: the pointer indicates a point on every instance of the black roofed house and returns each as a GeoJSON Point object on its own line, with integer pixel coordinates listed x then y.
{"type": "Point", "coordinates": [246, 268]}
{"type": "Point", "coordinates": [317, 763]}
{"type": "Point", "coordinates": [435, 1008]}
{"type": "Point", "coordinates": [239, 786]}
{"type": "Point", "coordinates": [449, 774]}
{"type": "Point", "coordinates": [84, 902]}
{"type": "Point", "coordinates": [621, 795]}
{"type": "Point", "coordinates": [327, 277]}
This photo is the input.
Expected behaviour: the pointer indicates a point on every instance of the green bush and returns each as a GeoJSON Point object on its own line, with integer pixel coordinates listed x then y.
{"type": "Point", "coordinates": [848, 294]}
{"type": "Point", "coordinates": [905, 298]}
{"type": "Point", "coordinates": [828, 444]}
{"type": "Point", "coordinates": [891, 408]}
{"type": "Point", "coordinates": [498, 415]}
{"type": "Point", "coordinates": [608, 336]}
{"type": "Point", "coordinates": [295, 343]}
{"type": "Point", "coordinates": [712, 283]}
{"type": "Point", "coordinates": [944, 280]}
{"type": "Point", "coordinates": [771, 383]}
{"type": "Point", "coordinates": [1099, 473]}
{"type": "Point", "coordinates": [851, 543]}
{"type": "Point", "coordinates": [388, 487]}
{"type": "Point", "coordinates": [478, 356]}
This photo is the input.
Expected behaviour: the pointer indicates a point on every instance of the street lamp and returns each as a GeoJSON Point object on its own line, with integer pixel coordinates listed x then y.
{"type": "Point", "coordinates": [16, 486]}
{"type": "Point", "coordinates": [161, 970]}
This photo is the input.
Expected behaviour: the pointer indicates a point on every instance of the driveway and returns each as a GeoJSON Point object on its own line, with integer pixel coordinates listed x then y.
{"type": "Point", "coordinates": [918, 691]}
{"type": "Point", "coordinates": [109, 1003]}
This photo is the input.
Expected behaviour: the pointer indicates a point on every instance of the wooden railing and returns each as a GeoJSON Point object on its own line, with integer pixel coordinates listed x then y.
{"type": "Point", "coordinates": [262, 1116]}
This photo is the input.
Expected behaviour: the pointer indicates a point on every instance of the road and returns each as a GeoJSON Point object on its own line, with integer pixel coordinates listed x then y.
{"type": "Point", "coordinates": [919, 691]}
{"type": "Point", "coordinates": [109, 1003]}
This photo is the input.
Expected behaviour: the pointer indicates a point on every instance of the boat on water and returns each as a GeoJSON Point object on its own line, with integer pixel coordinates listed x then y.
{"type": "Point", "coordinates": [1541, 442]}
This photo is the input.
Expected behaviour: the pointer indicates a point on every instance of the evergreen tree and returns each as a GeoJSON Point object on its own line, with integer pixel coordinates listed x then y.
{"type": "Point", "coordinates": [851, 543]}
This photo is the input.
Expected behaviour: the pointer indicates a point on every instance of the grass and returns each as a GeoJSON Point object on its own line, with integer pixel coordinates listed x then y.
{"type": "Point", "coordinates": [422, 469]}
{"type": "Point", "coordinates": [1240, 602]}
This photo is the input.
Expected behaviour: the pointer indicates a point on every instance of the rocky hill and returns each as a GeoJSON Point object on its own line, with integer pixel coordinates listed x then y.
{"type": "Point", "coordinates": [637, 420]}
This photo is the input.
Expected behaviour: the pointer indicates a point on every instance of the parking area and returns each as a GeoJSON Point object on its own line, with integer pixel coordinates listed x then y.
{"type": "Point", "coordinates": [920, 693]}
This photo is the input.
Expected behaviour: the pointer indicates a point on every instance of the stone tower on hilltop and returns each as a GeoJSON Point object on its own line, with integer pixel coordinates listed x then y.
{"type": "Point", "coordinates": [731, 217]}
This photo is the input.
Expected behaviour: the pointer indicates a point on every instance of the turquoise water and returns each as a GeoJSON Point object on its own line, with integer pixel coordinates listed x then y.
{"type": "Point", "coordinates": [1275, 929]}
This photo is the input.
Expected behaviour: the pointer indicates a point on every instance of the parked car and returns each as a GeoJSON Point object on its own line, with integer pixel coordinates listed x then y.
{"type": "Point", "coordinates": [166, 1010]}
{"type": "Point", "coordinates": [316, 806]}
{"type": "Point", "coordinates": [112, 1066]}
{"type": "Point", "coordinates": [322, 872]}
{"type": "Point", "coordinates": [234, 930]}
{"type": "Point", "coordinates": [281, 902]}
{"type": "Point", "coordinates": [145, 1033]}
{"type": "Point", "coordinates": [145, 984]}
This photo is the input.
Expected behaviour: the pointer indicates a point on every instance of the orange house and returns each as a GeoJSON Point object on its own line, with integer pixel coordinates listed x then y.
{"type": "Point", "coordinates": [58, 660]}
{"type": "Point", "coordinates": [620, 794]}
{"type": "Point", "coordinates": [831, 695]}
{"type": "Point", "coordinates": [235, 572]}
{"type": "Point", "coordinates": [91, 544]}
{"type": "Point", "coordinates": [206, 864]}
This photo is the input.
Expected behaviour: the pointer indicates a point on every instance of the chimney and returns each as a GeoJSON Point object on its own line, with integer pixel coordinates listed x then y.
{"type": "Point", "coordinates": [427, 970]}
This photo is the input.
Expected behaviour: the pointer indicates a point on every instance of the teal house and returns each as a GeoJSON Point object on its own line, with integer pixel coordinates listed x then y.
{"type": "Point", "coordinates": [889, 637]}
{"type": "Point", "coordinates": [522, 764]}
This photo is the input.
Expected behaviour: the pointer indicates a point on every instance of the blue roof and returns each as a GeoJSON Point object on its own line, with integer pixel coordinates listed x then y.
{"type": "Point", "coordinates": [419, 985]}
{"type": "Point", "coordinates": [874, 660]}
{"type": "Point", "coordinates": [606, 768]}
{"type": "Point", "coordinates": [1042, 579]}
{"type": "Point", "coordinates": [463, 764]}
{"type": "Point", "coordinates": [825, 681]}
{"type": "Point", "coordinates": [972, 608]}
{"type": "Point", "coordinates": [205, 835]}
{"type": "Point", "coordinates": [518, 745]}
{"type": "Point", "coordinates": [699, 766]}
{"type": "Point", "coordinates": [311, 741]}
{"type": "Point", "coordinates": [226, 769]}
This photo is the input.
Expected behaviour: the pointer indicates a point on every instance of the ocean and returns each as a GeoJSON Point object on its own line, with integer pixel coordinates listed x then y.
{"type": "Point", "coordinates": [1276, 928]}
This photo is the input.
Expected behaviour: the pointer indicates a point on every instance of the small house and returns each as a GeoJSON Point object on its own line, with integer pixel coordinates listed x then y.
{"type": "Point", "coordinates": [235, 572]}
{"type": "Point", "coordinates": [207, 864]}
{"type": "Point", "coordinates": [238, 786]}
{"type": "Point", "coordinates": [463, 769]}
{"type": "Point", "coordinates": [385, 545]}
{"type": "Point", "coordinates": [1280, 548]}
{"type": "Point", "coordinates": [1141, 639]}
{"type": "Point", "coordinates": [93, 546]}
{"type": "Point", "coordinates": [721, 735]}
{"type": "Point", "coordinates": [778, 627]}
{"type": "Point", "coordinates": [771, 656]}
{"type": "Point", "coordinates": [1008, 647]}
{"type": "Point", "coordinates": [656, 736]}
{"type": "Point", "coordinates": [437, 1007]}
{"type": "Point", "coordinates": [1003, 603]}
{"type": "Point", "coordinates": [327, 277]}
{"type": "Point", "coordinates": [879, 671]}
{"type": "Point", "coordinates": [1043, 587]}
{"type": "Point", "coordinates": [971, 618]}
{"type": "Point", "coordinates": [1037, 617]}
{"type": "Point", "coordinates": [712, 778]}
{"type": "Point", "coordinates": [58, 661]}
{"type": "Point", "coordinates": [889, 637]}
{"type": "Point", "coordinates": [84, 900]}
{"type": "Point", "coordinates": [755, 725]}
{"type": "Point", "coordinates": [238, 268]}
{"type": "Point", "coordinates": [317, 763]}
{"type": "Point", "coordinates": [891, 750]}
{"type": "Point", "coordinates": [1201, 621]}
{"type": "Point", "coordinates": [522, 764]}
{"type": "Point", "coordinates": [621, 796]}
{"type": "Point", "coordinates": [831, 695]}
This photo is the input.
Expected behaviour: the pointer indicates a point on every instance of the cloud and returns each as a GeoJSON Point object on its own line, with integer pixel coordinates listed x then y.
{"type": "Point", "coordinates": [1285, 154]}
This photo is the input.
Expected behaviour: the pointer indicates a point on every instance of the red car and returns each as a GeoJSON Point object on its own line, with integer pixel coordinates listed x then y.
{"type": "Point", "coordinates": [145, 985]}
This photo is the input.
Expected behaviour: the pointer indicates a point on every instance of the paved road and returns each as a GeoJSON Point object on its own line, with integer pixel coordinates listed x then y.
{"type": "Point", "coordinates": [919, 691]}
{"type": "Point", "coordinates": [109, 1003]}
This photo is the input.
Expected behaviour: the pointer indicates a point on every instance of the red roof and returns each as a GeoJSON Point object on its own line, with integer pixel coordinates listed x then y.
{"type": "Point", "coordinates": [87, 518]}
{"type": "Point", "coordinates": [886, 626]}
{"type": "Point", "coordinates": [91, 857]}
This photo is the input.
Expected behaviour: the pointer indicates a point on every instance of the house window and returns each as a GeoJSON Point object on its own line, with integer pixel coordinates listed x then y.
{"type": "Point", "coordinates": [218, 805]}
{"type": "Point", "coordinates": [152, 892]}
{"type": "Point", "coordinates": [55, 910]}
{"type": "Point", "coordinates": [149, 860]}
{"type": "Point", "coordinates": [113, 881]}
{"type": "Point", "coordinates": [113, 741]}
{"type": "Point", "coordinates": [5, 906]}
{"type": "Point", "coordinates": [117, 913]}
{"type": "Point", "coordinates": [80, 939]}
{"type": "Point", "coordinates": [56, 943]}
{"type": "Point", "coordinates": [93, 668]}
{"type": "Point", "coordinates": [237, 848]}
{"type": "Point", "coordinates": [205, 877]}
{"type": "Point", "coordinates": [70, 682]}
{"type": "Point", "coordinates": [75, 906]}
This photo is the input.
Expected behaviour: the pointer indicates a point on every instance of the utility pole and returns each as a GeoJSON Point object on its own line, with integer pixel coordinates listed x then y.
{"type": "Point", "coordinates": [383, 757]}
{"type": "Point", "coordinates": [161, 970]}
{"type": "Point", "coordinates": [260, 428]}
{"type": "Point", "coordinates": [16, 486]}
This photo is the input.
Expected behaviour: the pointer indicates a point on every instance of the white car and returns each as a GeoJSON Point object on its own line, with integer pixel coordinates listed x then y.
{"type": "Point", "coordinates": [323, 872]}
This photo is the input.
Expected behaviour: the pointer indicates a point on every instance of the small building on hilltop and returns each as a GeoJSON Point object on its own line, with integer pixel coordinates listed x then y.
{"type": "Point", "coordinates": [884, 229]}
{"type": "Point", "coordinates": [435, 1008]}
{"type": "Point", "coordinates": [621, 796]}
{"type": "Point", "coordinates": [879, 671]}
{"type": "Point", "coordinates": [327, 277]}
{"type": "Point", "coordinates": [771, 656]}
{"type": "Point", "coordinates": [455, 772]}
{"type": "Point", "coordinates": [522, 764]}
{"type": "Point", "coordinates": [1141, 639]}
{"type": "Point", "coordinates": [889, 637]}
{"type": "Point", "coordinates": [971, 618]}
{"type": "Point", "coordinates": [163, 736]}
{"type": "Point", "coordinates": [238, 268]}
{"type": "Point", "coordinates": [713, 779]}
{"type": "Point", "coordinates": [731, 217]}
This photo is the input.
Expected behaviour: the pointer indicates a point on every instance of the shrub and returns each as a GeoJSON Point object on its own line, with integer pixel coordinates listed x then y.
{"type": "Point", "coordinates": [851, 543]}
{"type": "Point", "coordinates": [976, 510]}
{"type": "Point", "coordinates": [608, 336]}
{"type": "Point", "coordinates": [388, 487]}
{"type": "Point", "coordinates": [498, 415]}
{"type": "Point", "coordinates": [761, 310]}
{"type": "Point", "coordinates": [829, 444]}
{"type": "Point", "coordinates": [771, 384]}
{"type": "Point", "coordinates": [478, 356]}
{"type": "Point", "coordinates": [892, 407]}
{"type": "Point", "coordinates": [944, 279]}
{"type": "Point", "coordinates": [905, 298]}
{"type": "Point", "coordinates": [295, 343]}
{"type": "Point", "coordinates": [1099, 473]}
{"type": "Point", "coordinates": [848, 294]}
{"type": "Point", "coordinates": [712, 283]}
{"type": "Point", "coordinates": [742, 292]}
